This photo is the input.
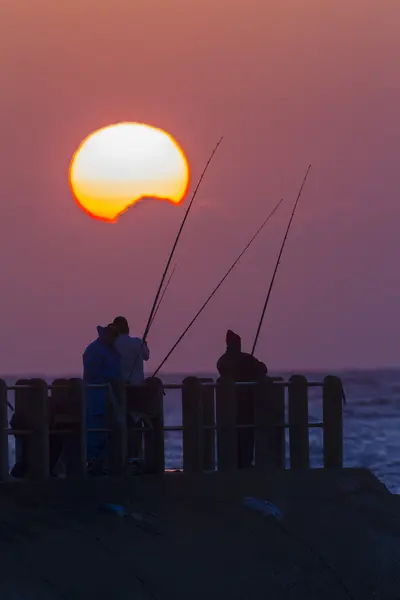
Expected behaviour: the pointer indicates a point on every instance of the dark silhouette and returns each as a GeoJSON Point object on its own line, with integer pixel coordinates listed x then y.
{"type": "Point", "coordinates": [242, 367]}
{"type": "Point", "coordinates": [101, 365]}
{"type": "Point", "coordinates": [133, 351]}
{"type": "Point", "coordinates": [101, 361]}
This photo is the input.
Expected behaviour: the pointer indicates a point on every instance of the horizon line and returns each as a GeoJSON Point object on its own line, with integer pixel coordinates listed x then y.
{"type": "Point", "coordinates": [210, 371]}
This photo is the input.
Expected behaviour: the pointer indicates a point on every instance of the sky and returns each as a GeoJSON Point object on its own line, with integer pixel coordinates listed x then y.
{"type": "Point", "coordinates": [288, 84]}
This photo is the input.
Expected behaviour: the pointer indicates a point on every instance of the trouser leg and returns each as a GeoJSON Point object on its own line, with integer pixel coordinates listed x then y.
{"type": "Point", "coordinates": [245, 448]}
{"type": "Point", "coordinates": [96, 418]}
{"type": "Point", "coordinates": [55, 450]}
{"type": "Point", "coordinates": [21, 457]}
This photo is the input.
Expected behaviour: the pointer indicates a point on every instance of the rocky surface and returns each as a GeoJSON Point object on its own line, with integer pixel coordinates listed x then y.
{"type": "Point", "coordinates": [192, 538]}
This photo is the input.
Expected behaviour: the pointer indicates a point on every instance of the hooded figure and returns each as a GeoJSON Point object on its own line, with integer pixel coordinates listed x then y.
{"type": "Point", "coordinates": [101, 361]}
{"type": "Point", "coordinates": [241, 366]}
{"type": "Point", "coordinates": [101, 365]}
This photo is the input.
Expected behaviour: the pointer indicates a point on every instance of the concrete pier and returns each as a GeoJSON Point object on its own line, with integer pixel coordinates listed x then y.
{"type": "Point", "coordinates": [339, 538]}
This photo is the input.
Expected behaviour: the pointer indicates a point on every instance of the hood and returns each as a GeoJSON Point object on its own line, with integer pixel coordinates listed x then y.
{"type": "Point", "coordinates": [233, 341]}
{"type": "Point", "coordinates": [101, 332]}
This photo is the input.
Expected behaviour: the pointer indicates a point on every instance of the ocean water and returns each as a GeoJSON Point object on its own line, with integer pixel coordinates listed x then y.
{"type": "Point", "coordinates": [371, 418]}
{"type": "Point", "coordinates": [371, 422]}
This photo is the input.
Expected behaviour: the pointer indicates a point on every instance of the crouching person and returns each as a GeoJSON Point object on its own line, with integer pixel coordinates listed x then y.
{"type": "Point", "coordinates": [102, 367]}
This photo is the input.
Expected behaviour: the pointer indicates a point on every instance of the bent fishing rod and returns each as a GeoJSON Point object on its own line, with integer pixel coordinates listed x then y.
{"type": "Point", "coordinates": [163, 294]}
{"type": "Point", "coordinates": [147, 329]}
{"type": "Point", "coordinates": [217, 288]}
{"type": "Point", "coordinates": [278, 262]}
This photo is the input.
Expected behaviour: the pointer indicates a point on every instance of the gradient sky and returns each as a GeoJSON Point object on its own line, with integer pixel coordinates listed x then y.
{"type": "Point", "coordinates": [287, 83]}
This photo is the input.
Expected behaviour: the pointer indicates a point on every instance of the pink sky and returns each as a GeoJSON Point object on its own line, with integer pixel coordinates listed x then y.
{"type": "Point", "coordinates": [287, 83]}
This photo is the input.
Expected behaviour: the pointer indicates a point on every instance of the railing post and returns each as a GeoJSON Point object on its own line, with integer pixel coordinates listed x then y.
{"type": "Point", "coordinates": [3, 432]}
{"type": "Point", "coordinates": [333, 422]}
{"type": "Point", "coordinates": [192, 421]}
{"type": "Point", "coordinates": [21, 421]}
{"type": "Point", "coordinates": [208, 420]}
{"type": "Point", "coordinates": [279, 410]}
{"type": "Point", "coordinates": [59, 419]}
{"type": "Point", "coordinates": [298, 423]}
{"type": "Point", "coordinates": [154, 440]}
{"type": "Point", "coordinates": [227, 457]}
{"type": "Point", "coordinates": [263, 424]}
{"type": "Point", "coordinates": [38, 448]}
{"type": "Point", "coordinates": [117, 447]}
{"type": "Point", "coordinates": [76, 447]}
{"type": "Point", "coordinates": [267, 417]}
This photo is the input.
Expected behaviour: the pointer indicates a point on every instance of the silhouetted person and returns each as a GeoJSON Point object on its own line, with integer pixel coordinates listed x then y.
{"type": "Point", "coordinates": [241, 367]}
{"type": "Point", "coordinates": [133, 351]}
{"type": "Point", "coordinates": [101, 365]}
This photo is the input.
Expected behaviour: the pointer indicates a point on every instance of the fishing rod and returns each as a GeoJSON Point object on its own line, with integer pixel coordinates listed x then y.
{"type": "Point", "coordinates": [163, 294]}
{"type": "Point", "coordinates": [148, 325]}
{"type": "Point", "coordinates": [217, 287]}
{"type": "Point", "coordinates": [146, 331]}
{"type": "Point", "coordinates": [278, 261]}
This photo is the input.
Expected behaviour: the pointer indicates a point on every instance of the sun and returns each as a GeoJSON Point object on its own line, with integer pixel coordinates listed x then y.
{"type": "Point", "coordinates": [118, 165]}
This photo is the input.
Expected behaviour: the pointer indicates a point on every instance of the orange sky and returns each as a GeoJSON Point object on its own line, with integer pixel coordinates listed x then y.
{"type": "Point", "coordinates": [286, 83]}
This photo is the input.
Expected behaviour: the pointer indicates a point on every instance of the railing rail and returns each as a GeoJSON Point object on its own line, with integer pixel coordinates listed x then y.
{"type": "Point", "coordinates": [210, 425]}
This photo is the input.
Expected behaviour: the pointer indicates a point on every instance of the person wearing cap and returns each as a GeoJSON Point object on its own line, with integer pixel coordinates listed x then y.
{"type": "Point", "coordinates": [101, 365]}
{"type": "Point", "coordinates": [242, 367]}
{"type": "Point", "coordinates": [134, 351]}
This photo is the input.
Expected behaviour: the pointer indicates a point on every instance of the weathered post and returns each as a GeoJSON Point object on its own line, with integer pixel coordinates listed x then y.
{"type": "Point", "coordinates": [59, 410]}
{"type": "Point", "coordinates": [192, 421]}
{"type": "Point", "coordinates": [208, 421]}
{"type": "Point", "coordinates": [227, 458]}
{"type": "Point", "coordinates": [263, 424]}
{"type": "Point", "coordinates": [76, 451]}
{"type": "Point", "coordinates": [332, 408]}
{"type": "Point", "coordinates": [279, 411]}
{"type": "Point", "coordinates": [154, 439]}
{"type": "Point", "coordinates": [64, 423]}
{"type": "Point", "coordinates": [20, 421]}
{"type": "Point", "coordinates": [298, 423]}
{"type": "Point", "coordinates": [3, 431]}
{"type": "Point", "coordinates": [267, 418]}
{"type": "Point", "coordinates": [117, 447]}
{"type": "Point", "coordinates": [38, 447]}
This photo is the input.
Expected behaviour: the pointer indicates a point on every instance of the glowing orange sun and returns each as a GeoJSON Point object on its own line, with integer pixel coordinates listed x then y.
{"type": "Point", "coordinates": [118, 165]}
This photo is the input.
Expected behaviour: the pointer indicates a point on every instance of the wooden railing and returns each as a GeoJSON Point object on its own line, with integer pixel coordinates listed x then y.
{"type": "Point", "coordinates": [209, 424]}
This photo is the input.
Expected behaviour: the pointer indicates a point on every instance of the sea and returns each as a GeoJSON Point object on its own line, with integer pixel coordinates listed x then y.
{"type": "Point", "coordinates": [371, 421]}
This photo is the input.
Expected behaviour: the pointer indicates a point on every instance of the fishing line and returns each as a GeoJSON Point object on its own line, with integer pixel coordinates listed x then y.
{"type": "Point", "coordinates": [153, 308]}
{"type": "Point", "coordinates": [217, 287]}
{"type": "Point", "coordinates": [278, 261]}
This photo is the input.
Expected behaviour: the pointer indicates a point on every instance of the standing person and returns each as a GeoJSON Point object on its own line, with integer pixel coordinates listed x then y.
{"type": "Point", "coordinates": [242, 367]}
{"type": "Point", "coordinates": [134, 351]}
{"type": "Point", "coordinates": [101, 365]}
